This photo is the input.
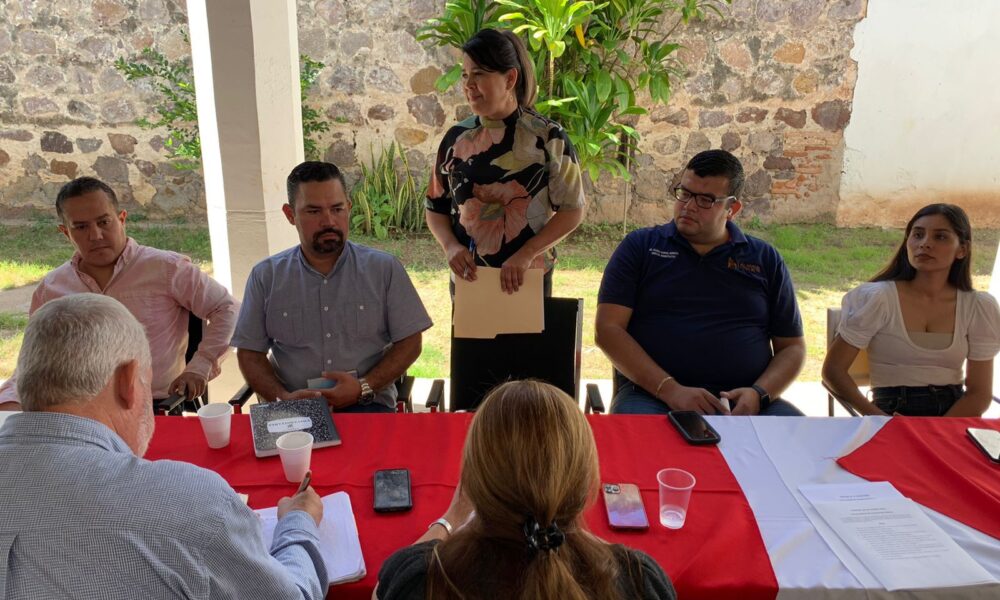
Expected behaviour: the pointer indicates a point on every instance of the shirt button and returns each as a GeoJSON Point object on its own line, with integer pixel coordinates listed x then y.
{"type": "Point", "coordinates": [325, 282]}
{"type": "Point", "coordinates": [362, 307]}
{"type": "Point", "coordinates": [284, 314]}
{"type": "Point", "coordinates": [328, 361]}
{"type": "Point", "coordinates": [326, 308]}
{"type": "Point", "coordinates": [328, 335]}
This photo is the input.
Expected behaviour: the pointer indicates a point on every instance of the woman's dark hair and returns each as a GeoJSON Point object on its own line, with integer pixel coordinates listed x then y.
{"type": "Point", "coordinates": [960, 275]}
{"type": "Point", "coordinates": [501, 51]}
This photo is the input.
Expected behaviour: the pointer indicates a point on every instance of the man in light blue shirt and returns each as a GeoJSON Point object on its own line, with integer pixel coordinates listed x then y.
{"type": "Point", "coordinates": [330, 312]}
{"type": "Point", "coordinates": [83, 516]}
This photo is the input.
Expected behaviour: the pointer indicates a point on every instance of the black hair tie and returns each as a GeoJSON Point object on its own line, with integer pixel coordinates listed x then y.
{"type": "Point", "coordinates": [547, 539]}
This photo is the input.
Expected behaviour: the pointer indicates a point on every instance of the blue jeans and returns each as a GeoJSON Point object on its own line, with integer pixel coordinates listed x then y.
{"type": "Point", "coordinates": [927, 401]}
{"type": "Point", "coordinates": [374, 407]}
{"type": "Point", "coordinates": [633, 400]}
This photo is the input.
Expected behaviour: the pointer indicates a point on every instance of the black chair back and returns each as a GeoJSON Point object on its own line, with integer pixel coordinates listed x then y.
{"type": "Point", "coordinates": [478, 365]}
{"type": "Point", "coordinates": [194, 336]}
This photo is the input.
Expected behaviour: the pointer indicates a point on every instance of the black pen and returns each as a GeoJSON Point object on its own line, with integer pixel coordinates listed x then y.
{"type": "Point", "coordinates": [305, 482]}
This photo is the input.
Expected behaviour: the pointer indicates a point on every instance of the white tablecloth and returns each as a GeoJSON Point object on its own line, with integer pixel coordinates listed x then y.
{"type": "Point", "coordinates": [772, 456]}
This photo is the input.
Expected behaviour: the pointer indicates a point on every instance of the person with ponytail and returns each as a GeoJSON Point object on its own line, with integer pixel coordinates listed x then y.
{"type": "Point", "coordinates": [506, 184]}
{"type": "Point", "coordinates": [921, 322]}
{"type": "Point", "coordinates": [515, 528]}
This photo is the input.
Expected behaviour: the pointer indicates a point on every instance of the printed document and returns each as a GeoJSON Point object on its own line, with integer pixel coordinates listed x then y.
{"type": "Point", "coordinates": [338, 537]}
{"type": "Point", "coordinates": [893, 537]}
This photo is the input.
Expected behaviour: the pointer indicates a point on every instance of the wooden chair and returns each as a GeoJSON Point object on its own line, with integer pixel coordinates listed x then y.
{"type": "Point", "coordinates": [859, 370]}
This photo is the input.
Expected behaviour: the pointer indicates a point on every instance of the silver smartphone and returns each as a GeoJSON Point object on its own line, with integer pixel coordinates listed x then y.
{"type": "Point", "coordinates": [987, 440]}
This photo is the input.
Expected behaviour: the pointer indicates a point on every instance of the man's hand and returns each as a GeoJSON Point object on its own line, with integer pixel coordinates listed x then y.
{"type": "Point", "coordinates": [512, 271]}
{"type": "Point", "coordinates": [744, 400]}
{"type": "Point", "coordinates": [461, 261]}
{"type": "Point", "coordinates": [188, 384]}
{"type": "Point", "coordinates": [10, 406]}
{"type": "Point", "coordinates": [700, 400]}
{"type": "Point", "coordinates": [307, 500]}
{"type": "Point", "coordinates": [345, 393]}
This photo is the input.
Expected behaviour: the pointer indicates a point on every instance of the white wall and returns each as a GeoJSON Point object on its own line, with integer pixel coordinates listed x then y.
{"type": "Point", "coordinates": [926, 114]}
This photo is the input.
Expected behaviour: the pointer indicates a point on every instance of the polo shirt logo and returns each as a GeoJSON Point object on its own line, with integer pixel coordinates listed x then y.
{"type": "Point", "coordinates": [663, 253]}
{"type": "Point", "coordinates": [742, 266]}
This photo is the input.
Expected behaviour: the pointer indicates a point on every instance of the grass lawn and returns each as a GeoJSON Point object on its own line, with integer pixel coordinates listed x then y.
{"type": "Point", "coordinates": [824, 261]}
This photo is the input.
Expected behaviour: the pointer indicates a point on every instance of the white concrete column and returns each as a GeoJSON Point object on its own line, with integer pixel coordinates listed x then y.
{"type": "Point", "coordinates": [246, 64]}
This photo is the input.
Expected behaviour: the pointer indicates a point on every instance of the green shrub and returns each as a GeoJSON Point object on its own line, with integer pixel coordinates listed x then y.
{"type": "Point", "coordinates": [387, 199]}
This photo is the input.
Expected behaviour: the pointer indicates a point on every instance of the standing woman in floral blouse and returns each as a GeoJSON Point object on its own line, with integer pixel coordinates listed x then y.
{"type": "Point", "coordinates": [506, 185]}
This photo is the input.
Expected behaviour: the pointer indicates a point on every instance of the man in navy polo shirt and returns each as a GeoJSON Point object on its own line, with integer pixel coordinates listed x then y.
{"type": "Point", "coordinates": [695, 311]}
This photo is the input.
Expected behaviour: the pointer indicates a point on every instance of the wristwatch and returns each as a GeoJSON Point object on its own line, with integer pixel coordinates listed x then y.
{"type": "Point", "coordinates": [765, 398]}
{"type": "Point", "coordinates": [367, 393]}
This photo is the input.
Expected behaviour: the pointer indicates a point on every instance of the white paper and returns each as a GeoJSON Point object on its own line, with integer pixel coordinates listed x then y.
{"type": "Point", "coordinates": [893, 538]}
{"type": "Point", "coordinates": [338, 538]}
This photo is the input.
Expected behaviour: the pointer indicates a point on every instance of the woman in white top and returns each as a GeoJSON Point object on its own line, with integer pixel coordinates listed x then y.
{"type": "Point", "coordinates": [921, 322]}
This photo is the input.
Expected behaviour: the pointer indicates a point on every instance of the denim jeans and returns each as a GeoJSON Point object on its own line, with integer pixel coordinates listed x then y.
{"type": "Point", "coordinates": [633, 400]}
{"type": "Point", "coordinates": [926, 401]}
{"type": "Point", "coordinates": [374, 407]}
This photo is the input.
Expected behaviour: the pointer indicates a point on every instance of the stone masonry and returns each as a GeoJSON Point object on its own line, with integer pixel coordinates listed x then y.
{"type": "Point", "coordinates": [772, 82]}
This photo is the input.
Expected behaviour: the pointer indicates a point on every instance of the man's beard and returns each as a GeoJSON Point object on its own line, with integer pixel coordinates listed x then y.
{"type": "Point", "coordinates": [329, 246]}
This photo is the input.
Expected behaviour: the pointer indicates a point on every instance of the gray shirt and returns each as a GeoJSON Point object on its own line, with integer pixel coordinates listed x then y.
{"type": "Point", "coordinates": [343, 321]}
{"type": "Point", "coordinates": [82, 517]}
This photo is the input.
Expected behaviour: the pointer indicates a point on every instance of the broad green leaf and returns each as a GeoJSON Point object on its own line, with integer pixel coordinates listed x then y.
{"type": "Point", "coordinates": [604, 84]}
{"type": "Point", "coordinates": [448, 79]}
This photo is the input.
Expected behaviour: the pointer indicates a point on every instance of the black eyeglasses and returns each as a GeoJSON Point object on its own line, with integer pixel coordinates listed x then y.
{"type": "Point", "coordinates": [702, 200]}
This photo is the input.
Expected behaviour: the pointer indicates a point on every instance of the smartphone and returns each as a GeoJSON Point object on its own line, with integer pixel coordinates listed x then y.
{"type": "Point", "coordinates": [625, 508]}
{"type": "Point", "coordinates": [693, 427]}
{"type": "Point", "coordinates": [987, 440]}
{"type": "Point", "coordinates": [392, 490]}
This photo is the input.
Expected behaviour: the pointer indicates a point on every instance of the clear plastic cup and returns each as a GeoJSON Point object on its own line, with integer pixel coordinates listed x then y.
{"type": "Point", "coordinates": [295, 450]}
{"type": "Point", "coordinates": [216, 421]}
{"type": "Point", "coordinates": [675, 494]}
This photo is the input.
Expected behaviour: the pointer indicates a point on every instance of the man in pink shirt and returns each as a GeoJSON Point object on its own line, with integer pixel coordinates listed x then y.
{"type": "Point", "coordinates": [159, 287]}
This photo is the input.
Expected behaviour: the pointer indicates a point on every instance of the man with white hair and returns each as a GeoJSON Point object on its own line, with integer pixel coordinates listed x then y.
{"type": "Point", "coordinates": [85, 517]}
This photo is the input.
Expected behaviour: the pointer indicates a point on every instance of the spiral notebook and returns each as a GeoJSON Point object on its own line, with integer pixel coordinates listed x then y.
{"type": "Point", "coordinates": [269, 421]}
{"type": "Point", "coordinates": [338, 538]}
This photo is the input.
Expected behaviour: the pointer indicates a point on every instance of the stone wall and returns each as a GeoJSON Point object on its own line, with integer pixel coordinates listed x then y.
{"type": "Point", "coordinates": [66, 112]}
{"type": "Point", "coordinates": [772, 82]}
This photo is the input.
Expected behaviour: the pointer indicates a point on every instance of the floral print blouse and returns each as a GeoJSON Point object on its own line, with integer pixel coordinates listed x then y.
{"type": "Point", "coordinates": [500, 181]}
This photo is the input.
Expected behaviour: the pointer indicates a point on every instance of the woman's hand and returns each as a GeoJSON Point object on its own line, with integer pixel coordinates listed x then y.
{"type": "Point", "coordinates": [461, 261]}
{"type": "Point", "coordinates": [512, 271]}
{"type": "Point", "coordinates": [460, 510]}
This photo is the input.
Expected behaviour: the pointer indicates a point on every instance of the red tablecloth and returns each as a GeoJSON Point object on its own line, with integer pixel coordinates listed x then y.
{"type": "Point", "coordinates": [717, 554]}
{"type": "Point", "coordinates": [933, 461]}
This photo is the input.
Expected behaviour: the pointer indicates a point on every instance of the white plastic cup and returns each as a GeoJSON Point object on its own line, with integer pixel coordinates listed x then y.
{"type": "Point", "coordinates": [675, 494]}
{"type": "Point", "coordinates": [295, 450]}
{"type": "Point", "coordinates": [216, 421]}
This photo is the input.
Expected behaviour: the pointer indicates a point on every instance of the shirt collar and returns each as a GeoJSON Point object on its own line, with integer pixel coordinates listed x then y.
{"type": "Point", "coordinates": [40, 426]}
{"type": "Point", "coordinates": [736, 235]}
{"type": "Point", "coordinates": [507, 121]}
{"type": "Point", "coordinates": [345, 256]}
{"type": "Point", "coordinates": [128, 253]}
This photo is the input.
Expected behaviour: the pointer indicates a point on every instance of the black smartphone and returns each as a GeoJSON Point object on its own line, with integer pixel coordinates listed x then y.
{"type": "Point", "coordinates": [987, 440]}
{"type": "Point", "coordinates": [392, 490]}
{"type": "Point", "coordinates": [693, 427]}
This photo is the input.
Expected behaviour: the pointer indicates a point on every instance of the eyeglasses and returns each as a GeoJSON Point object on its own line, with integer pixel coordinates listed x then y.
{"type": "Point", "coordinates": [702, 200]}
